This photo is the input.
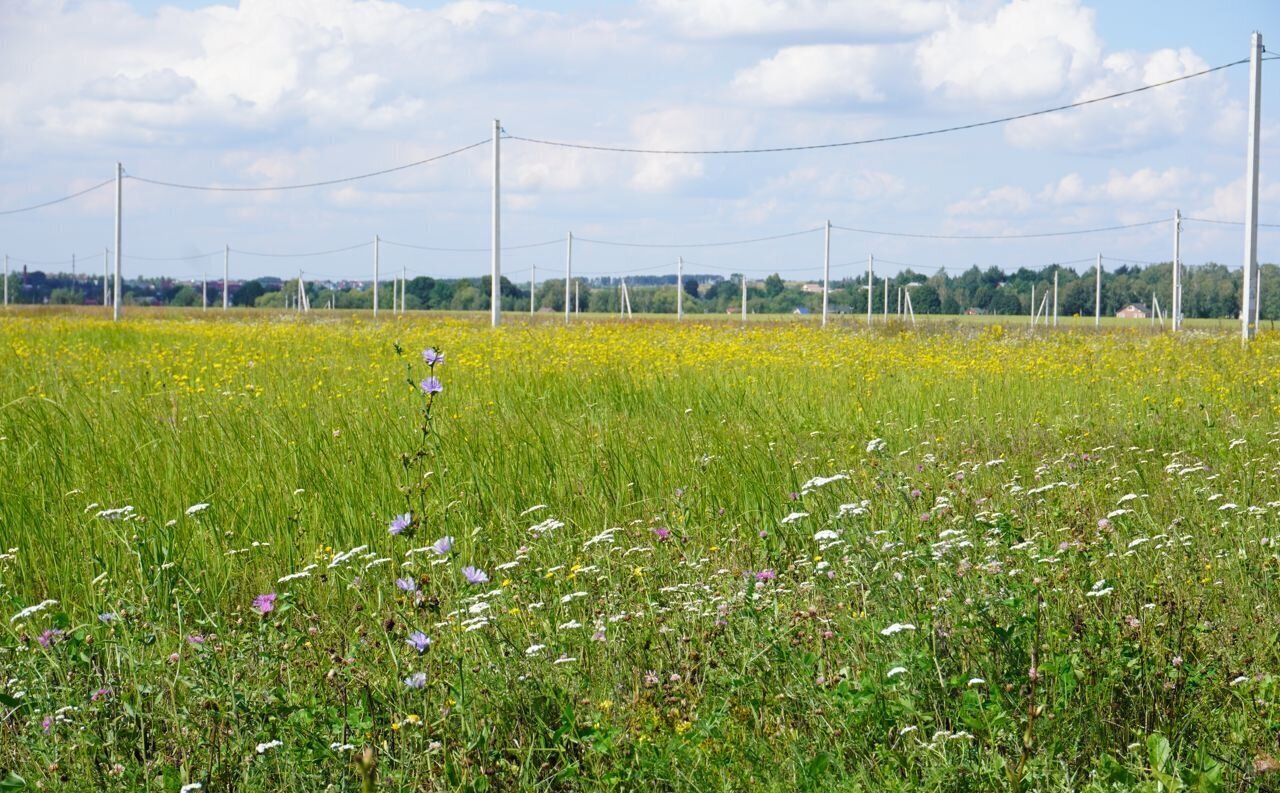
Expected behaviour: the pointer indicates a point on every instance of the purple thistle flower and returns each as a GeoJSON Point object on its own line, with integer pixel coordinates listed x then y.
{"type": "Point", "coordinates": [101, 693]}
{"type": "Point", "coordinates": [46, 723]}
{"type": "Point", "coordinates": [265, 604]}
{"type": "Point", "coordinates": [48, 636]}
{"type": "Point", "coordinates": [431, 357]}
{"type": "Point", "coordinates": [400, 522]}
{"type": "Point", "coordinates": [416, 680]}
{"type": "Point", "coordinates": [419, 641]}
{"type": "Point", "coordinates": [443, 545]}
{"type": "Point", "coordinates": [474, 575]}
{"type": "Point", "coordinates": [407, 584]}
{"type": "Point", "coordinates": [663, 534]}
{"type": "Point", "coordinates": [431, 385]}
{"type": "Point", "coordinates": [195, 639]}
{"type": "Point", "coordinates": [766, 575]}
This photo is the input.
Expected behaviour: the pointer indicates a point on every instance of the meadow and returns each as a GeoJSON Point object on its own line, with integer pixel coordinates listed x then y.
{"type": "Point", "coordinates": [267, 552]}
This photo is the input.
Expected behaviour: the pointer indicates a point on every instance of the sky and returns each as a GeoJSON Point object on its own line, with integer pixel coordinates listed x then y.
{"type": "Point", "coordinates": [273, 92]}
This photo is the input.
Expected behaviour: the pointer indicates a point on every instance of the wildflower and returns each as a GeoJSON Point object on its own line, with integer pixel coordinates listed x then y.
{"type": "Point", "coordinates": [101, 693]}
{"type": "Point", "coordinates": [431, 357]}
{"type": "Point", "coordinates": [897, 627]}
{"type": "Point", "coordinates": [407, 585]}
{"type": "Point", "coordinates": [400, 522]}
{"type": "Point", "coordinates": [196, 509]}
{"type": "Point", "coordinates": [416, 680]}
{"type": "Point", "coordinates": [419, 641]}
{"type": "Point", "coordinates": [29, 610]}
{"type": "Point", "coordinates": [651, 679]}
{"type": "Point", "coordinates": [975, 681]}
{"type": "Point", "coordinates": [534, 649]}
{"type": "Point", "coordinates": [46, 723]}
{"type": "Point", "coordinates": [474, 575]}
{"type": "Point", "coordinates": [598, 636]}
{"type": "Point", "coordinates": [662, 534]}
{"type": "Point", "coordinates": [915, 493]}
{"type": "Point", "coordinates": [431, 385]}
{"type": "Point", "coordinates": [766, 575]}
{"type": "Point", "coordinates": [265, 604]}
{"type": "Point", "coordinates": [47, 638]}
{"type": "Point", "coordinates": [108, 616]}
{"type": "Point", "coordinates": [1104, 524]}
{"type": "Point", "coordinates": [264, 747]}
{"type": "Point", "coordinates": [443, 545]}
{"type": "Point", "coordinates": [1177, 661]}
{"type": "Point", "coordinates": [195, 639]}
{"type": "Point", "coordinates": [190, 787]}
{"type": "Point", "coordinates": [897, 670]}
{"type": "Point", "coordinates": [1034, 674]}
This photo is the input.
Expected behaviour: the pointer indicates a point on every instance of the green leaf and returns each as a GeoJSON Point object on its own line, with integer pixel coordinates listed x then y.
{"type": "Point", "coordinates": [13, 782]}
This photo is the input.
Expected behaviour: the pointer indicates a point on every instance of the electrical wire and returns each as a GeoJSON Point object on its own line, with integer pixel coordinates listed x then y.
{"type": "Point", "coordinates": [884, 139]}
{"type": "Point", "coordinates": [172, 258]}
{"type": "Point", "coordinates": [1230, 222]}
{"type": "Point", "coordinates": [85, 191]}
{"type": "Point", "coordinates": [1001, 236]}
{"type": "Point", "coordinates": [471, 250]}
{"type": "Point", "coordinates": [325, 183]}
{"type": "Point", "coordinates": [303, 255]}
{"type": "Point", "coordinates": [696, 244]}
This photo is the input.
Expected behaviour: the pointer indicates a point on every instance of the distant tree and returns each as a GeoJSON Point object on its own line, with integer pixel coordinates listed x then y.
{"type": "Point", "coordinates": [925, 300]}
{"type": "Point", "coordinates": [248, 294]}
{"type": "Point", "coordinates": [66, 297]}
{"type": "Point", "coordinates": [691, 286]}
{"type": "Point", "coordinates": [773, 285]}
{"type": "Point", "coordinates": [186, 296]}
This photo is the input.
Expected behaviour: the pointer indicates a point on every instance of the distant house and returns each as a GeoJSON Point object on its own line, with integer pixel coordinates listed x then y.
{"type": "Point", "coordinates": [812, 289]}
{"type": "Point", "coordinates": [802, 310]}
{"type": "Point", "coordinates": [1134, 311]}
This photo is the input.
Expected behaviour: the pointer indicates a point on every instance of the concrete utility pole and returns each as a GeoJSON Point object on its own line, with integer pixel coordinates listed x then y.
{"type": "Point", "coordinates": [744, 297]}
{"type": "Point", "coordinates": [1177, 269]}
{"type": "Point", "coordinates": [204, 292]}
{"type": "Point", "coordinates": [679, 288]}
{"type": "Point", "coordinates": [6, 280]}
{"type": "Point", "coordinates": [115, 303]}
{"type": "Point", "coordinates": [495, 288]}
{"type": "Point", "coordinates": [826, 277]}
{"type": "Point", "coordinates": [1249, 303]}
{"type": "Point", "coordinates": [886, 300]}
{"type": "Point", "coordinates": [375, 276]}
{"type": "Point", "coordinates": [1097, 295]}
{"type": "Point", "coordinates": [871, 282]}
{"type": "Point", "coordinates": [1055, 297]}
{"type": "Point", "coordinates": [568, 274]}
{"type": "Point", "coordinates": [533, 280]}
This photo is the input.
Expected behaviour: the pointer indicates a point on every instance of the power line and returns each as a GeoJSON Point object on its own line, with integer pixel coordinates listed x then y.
{"type": "Point", "coordinates": [325, 183]}
{"type": "Point", "coordinates": [887, 138]}
{"type": "Point", "coordinates": [192, 257]}
{"type": "Point", "coordinates": [695, 244]}
{"type": "Point", "coordinates": [302, 255]}
{"type": "Point", "coordinates": [1230, 222]}
{"type": "Point", "coordinates": [57, 200]}
{"type": "Point", "coordinates": [543, 244]}
{"type": "Point", "coordinates": [1001, 236]}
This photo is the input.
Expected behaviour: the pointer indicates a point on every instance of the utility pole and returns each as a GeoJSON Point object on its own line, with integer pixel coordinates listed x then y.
{"type": "Point", "coordinates": [115, 303]}
{"type": "Point", "coordinates": [1177, 269]}
{"type": "Point", "coordinates": [679, 288]}
{"type": "Point", "coordinates": [375, 276]}
{"type": "Point", "coordinates": [886, 300]}
{"type": "Point", "coordinates": [204, 292]}
{"type": "Point", "coordinates": [533, 280]}
{"type": "Point", "coordinates": [1097, 295]}
{"type": "Point", "coordinates": [1033, 305]}
{"type": "Point", "coordinates": [577, 308]}
{"type": "Point", "coordinates": [226, 277]}
{"type": "Point", "coordinates": [744, 298]}
{"type": "Point", "coordinates": [404, 289]}
{"type": "Point", "coordinates": [871, 281]}
{"type": "Point", "coordinates": [6, 280]}
{"type": "Point", "coordinates": [568, 274]}
{"type": "Point", "coordinates": [495, 286]}
{"type": "Point", "coordinates": [1249, 305]}
{"type": "Point", "coordinates": [826, 278]}
{"type": "Point", "coordinates": [1055, 296]}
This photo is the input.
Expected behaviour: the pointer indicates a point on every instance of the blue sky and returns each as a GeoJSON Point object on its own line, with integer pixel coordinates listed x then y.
{"type": "Point", "coordinates": [265, 92]}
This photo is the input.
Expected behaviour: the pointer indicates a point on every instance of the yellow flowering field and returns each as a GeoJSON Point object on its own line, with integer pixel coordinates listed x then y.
{"type": "Point", "coordinates": [262, 551]}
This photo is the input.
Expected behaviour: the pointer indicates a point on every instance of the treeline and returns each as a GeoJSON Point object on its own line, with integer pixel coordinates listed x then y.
{"type": "Point", "coordinates": [1210, 291]}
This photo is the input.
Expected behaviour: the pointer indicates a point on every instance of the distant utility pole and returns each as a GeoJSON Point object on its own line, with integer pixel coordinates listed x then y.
{"type": "Point", "coordinates": [115, 303]}
{"type": "Point", "coordinates": [871, 281]}
{"type": "Point", "coordinates": [495, 287]}
{"type": "Point", "coordinates": [886, 299]}
{"type": "Point", "coordinates": [679, 288]}
{"type": "Point", "coordinates": [6, 280]}
{"type": "Point", "coordinates": [204, 292]}
{"type": "Point", "coordinates": [1055, 296]}
{"type": "Point", "coordinates": [1177, 269]}
{"type": "Point", "coordinates": [1249, 305]}
{"type": "Point", "coordinates": [533, 280]}
{"type": "Point", "coordinates": [1097, 295]}
{"type": "Point", "coordinates": [568, 274]}
{"type": "Point", "coordinates": [744, 297]}
{"type": "Point", "coordinates": [826, 278]}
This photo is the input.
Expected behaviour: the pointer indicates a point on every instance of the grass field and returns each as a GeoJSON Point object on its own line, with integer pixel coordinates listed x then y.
{"type": "Point", "coordinates": [717, 557]}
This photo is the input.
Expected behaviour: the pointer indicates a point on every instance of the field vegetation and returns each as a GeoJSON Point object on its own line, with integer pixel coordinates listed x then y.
{"type": "Point", "coordinates": [322, 553]}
